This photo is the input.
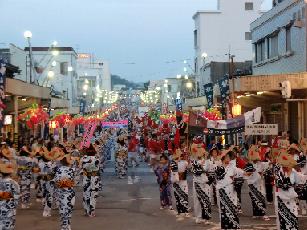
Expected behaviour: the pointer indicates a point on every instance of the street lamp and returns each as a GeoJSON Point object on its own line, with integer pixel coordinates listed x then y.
{"type": "Point", "coordinates": [53, 64]}
{"type": "Point", "coordinates": [50, 74]}
{"type": "Point", "coordinates": [28, 35]}
{"type": "Point", "coordinates": [178, 76]}
{"type": "Point", "coordinates": [189, 85]}
{"type": "Point", "coordinates": [55, 52]}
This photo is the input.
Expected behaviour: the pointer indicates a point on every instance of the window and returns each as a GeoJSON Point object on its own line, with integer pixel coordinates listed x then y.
{"type": "Point", "coordinates": [260, 51]}
{"type": "Point", "coordinates": [248, 36]}
{"type": "Point", "coordinates": [294, 16]}
{"type": "Point", "coordinates": [195, 38]}
{"type": "Point", "coordinates": [288, 38]}
{"type": "Point", "coordinates": [64, 68]}
{"type": "Point", "coordinates": [249, 6]}
{"type": "Point", "coordinates": [273, 40]}
{"type": "Point", "coordinates": [303, 12]}
{"type": "Point", "coordinates": [169, 88]}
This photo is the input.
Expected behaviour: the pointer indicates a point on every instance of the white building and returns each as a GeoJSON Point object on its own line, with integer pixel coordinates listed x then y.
{"type": "Point", "coordinates": [56, 68]}
{"type": "Point", "coordinates": [279, 39]}
{"type": "Point", "coordinates": [224, 31]}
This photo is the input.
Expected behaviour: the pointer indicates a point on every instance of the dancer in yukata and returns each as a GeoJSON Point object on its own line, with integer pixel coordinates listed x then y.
{"type": "Point", "coordinates": [90, 165]}
{"type": "Point", "coordinates": [9, 195]}
{"type": "Point", "coordinates": [65, 180]}
{"type": "Point", "coordinates": [163, 173]}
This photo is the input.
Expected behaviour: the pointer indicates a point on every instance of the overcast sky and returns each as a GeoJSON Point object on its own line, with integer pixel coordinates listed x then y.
{"type": "Point", "coordinates": [149, 33]}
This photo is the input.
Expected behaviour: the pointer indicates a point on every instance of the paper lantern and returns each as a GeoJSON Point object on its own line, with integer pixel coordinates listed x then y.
{"type": "Point", "coordinates": [236, 110]}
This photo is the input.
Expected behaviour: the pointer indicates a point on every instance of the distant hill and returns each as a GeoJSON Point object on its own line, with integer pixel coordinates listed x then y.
{"type": "Point", "coordinates": [117, 80]}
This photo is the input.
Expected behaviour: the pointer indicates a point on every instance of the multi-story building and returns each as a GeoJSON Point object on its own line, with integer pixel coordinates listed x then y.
{"type": "Point", "coordinates": [56, 68]}
{"type": "Point", "coordinates": [279, 39]}
{"type": "Point", "coordinates": [224, 32]}
{"type": "Point", "coordinates": [279, 55]}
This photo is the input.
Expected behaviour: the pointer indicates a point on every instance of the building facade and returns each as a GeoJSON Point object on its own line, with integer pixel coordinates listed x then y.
{"type": "Point", "coordinates": [279, 39]}
{"type": "Point", "coordinates": [216, 36]}
{"type": "Point", "coordinates": [55, 67]}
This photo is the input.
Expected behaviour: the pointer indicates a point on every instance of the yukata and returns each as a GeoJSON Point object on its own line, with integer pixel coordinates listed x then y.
{"type": "Point", "coordinates": [210, 166]}
{"type": "Point", "coordinates": [257, 189]}
{"type": "Point", "coordinates": [47, 173]}
{"type": "Point", "coordinates": [25, 167]}
{"type": "Point", "coordinates": [286, 199]}
{"type": "Point", "coordinates": [121, 161]}
{"type": "Point", "coordinates": [164, 180]}
{"type": "Point", "coordinates": [66, 194]}
{"type": "Point", "coordinates": [227, 197]}
{"type": "Point", "coordinates": [39, 180]}
{"type": "Point", "coordinates": [201, 191]}
{"type": "Point", "coordinates": [238, 182]}
{"type": "Point", "coordinates": [91, 178]}
{"type": "Point", "coordinates": [9, 203]}
{"type": "Point", "coordinates": [180, 186]}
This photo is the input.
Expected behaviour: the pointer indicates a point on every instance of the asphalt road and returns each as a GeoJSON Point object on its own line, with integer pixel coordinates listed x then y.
{"type": "Point", "coordinates": [133, 204]}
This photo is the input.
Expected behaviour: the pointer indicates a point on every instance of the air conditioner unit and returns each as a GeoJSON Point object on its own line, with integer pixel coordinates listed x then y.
{"type": "Point", "coordinates": [298, 23]}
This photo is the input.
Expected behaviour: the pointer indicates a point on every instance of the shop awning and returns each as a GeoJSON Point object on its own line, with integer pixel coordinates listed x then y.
{"type": "Point", "coordinates": [260, 83]}
{"type": "Point", "coordinates": [20, 88]}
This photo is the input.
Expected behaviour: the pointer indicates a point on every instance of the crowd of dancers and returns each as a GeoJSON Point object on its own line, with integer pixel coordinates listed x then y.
{"type": "Point", "coordinates": [275, 175]}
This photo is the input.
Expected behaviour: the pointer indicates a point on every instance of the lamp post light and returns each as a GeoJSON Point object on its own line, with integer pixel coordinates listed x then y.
{"type": "Point", "coordinates": [28, 35]}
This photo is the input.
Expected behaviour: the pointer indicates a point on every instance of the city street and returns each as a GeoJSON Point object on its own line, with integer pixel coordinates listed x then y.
{"type": "Point", "coordinates": [133, 203]}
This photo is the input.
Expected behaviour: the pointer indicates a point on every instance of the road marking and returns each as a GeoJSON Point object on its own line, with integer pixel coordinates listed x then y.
{"type": "Point", "coordinates": [135, 199]}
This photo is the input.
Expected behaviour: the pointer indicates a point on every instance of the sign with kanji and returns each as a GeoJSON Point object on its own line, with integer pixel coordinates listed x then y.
{"type": "Point", "coordinates": [261, 129]}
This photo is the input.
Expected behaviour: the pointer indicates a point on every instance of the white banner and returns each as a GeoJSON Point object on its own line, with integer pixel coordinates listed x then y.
{"type": "Point", "coordinates": [261, 129]}
{"type": "Point", "coordinates": [253, 116]}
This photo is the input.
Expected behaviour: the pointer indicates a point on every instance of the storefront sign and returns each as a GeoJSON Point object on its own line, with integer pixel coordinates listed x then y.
{"type": "Point", "coordinates": [115, 124]}
{"type": "Point", "coordinates": [261, 129]}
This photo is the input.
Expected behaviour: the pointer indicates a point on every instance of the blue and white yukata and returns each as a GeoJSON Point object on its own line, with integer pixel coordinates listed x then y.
{"type": "Point", "coordinates": [91, 178]}
{"type": "Point", "coordinates": [66, 195]}
{"type": "Point", "coordinates": [47, 172]}
{"type": "Point", "coordinates": [25, 167]}
{"type": "Point", "coordinates": [8, 206]}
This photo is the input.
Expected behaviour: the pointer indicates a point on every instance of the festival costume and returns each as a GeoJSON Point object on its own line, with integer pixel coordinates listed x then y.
{"type": "Point", "coordinates": [163, 174]}
{"type": "Point", "coordinates": [9, 195]}
{"type": "Point", "coordinates": [201, 191]}
{"type": "Point", "coordinates": [64, 181]}
{"type": "Point", "coordinates": [227, 197]}
{"type": "Point", "coordinates": [180, 186]}
{"type": "Point", "coordinates": [90, 166]}
{"type": "Point", "coordinates": [25, 168]}
{"type": "Point", "coordinates": [285, 196]}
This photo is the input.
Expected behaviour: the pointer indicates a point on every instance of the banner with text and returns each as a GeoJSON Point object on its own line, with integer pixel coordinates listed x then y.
{"type": "Point", "coordinates": [261, 129]}
{"type": "Point", "coordinates": [115, 124]}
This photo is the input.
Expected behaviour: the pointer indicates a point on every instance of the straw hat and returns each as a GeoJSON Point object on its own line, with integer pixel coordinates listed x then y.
{"type": "Point", "coordinates": [6, 168]}
{"type": "Point", "coordinates": [224, 153]}
{"type": "Point", "coordinates": [285, 159]}
{"type": "Point", "coordinates": [68, 158]}
{"type": "Point", "coordinates": [294, 147]}
{"type": "Point", "coordinates": [7, 153]}
{"type": "Point", "coordinates": [253, 153]}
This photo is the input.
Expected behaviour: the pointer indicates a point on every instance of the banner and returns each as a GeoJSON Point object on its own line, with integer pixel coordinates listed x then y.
{"type": "Point", "coordinates": [234, 123]}
{"type": "Point", "coordinates": [2, 88]}
{"type": "Point", "coordinates": [89, 130]}
{"type": "Point", "coordinates": [208, 89]}
{"type": "Point", "coordinates": [115, 124]}
{"type": "Point", "coordinates": [253, 116]}
{"type": "Point", "coordinates": [224, 88]}
{"type": "Point", "coordinates": [220, 132]}
{"type": "Point", "coordinates": [178, 104]}
{"type": "Point", "coordinates": [196, 119]}
{"type": "Point", "coordinates": [261, 129]}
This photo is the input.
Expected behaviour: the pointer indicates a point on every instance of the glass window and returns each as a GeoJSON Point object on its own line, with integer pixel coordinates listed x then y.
{"type": "Point", "coordinates": [195, 38]}
{"type": "Point", "coordinates": [273, 46]}
{"type": "Point", "coordinates": [64, 68]}
{"type": "Point", "coordinates": [303, 12]}
{"type": "Point", "coordinates": [249, 6]}
{"type": "Point", "coordinates": [288, 38]}
{"type": "Point", "coordinates": [260, 51]}
{"type": "Point", "coordinates": [248, 36]}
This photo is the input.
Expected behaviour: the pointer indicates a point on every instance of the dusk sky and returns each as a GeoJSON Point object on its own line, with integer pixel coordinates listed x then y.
{"type": "Point", "coordinates": [149, 33]}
